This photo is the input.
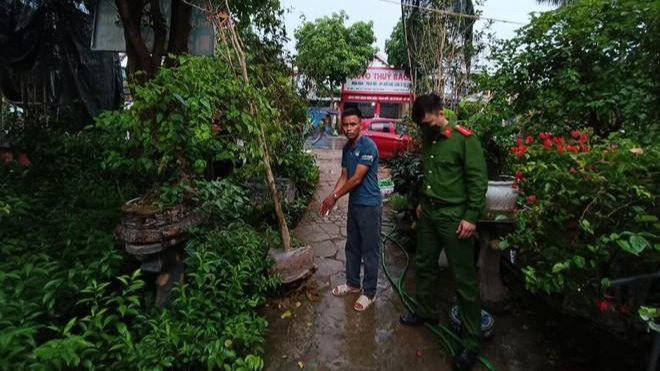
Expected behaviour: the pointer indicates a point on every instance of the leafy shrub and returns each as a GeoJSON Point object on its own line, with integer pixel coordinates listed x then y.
{"type": "Point", "coordinates": [168, 131]}
{"type": "Point", "coordinates": [210, 324]}
{"type": "Point", "coordinates": [66, 302]}
{"type": "Point", "coordinates": [593, 63]}
{"type": "Point", "coordinates": [57, 239]}
{"type": "Point", "coordinates": [494, 128]}
{"type": "Point", "coordinates": [294, 163]}
{"type": "Point", "coordinates": [399, 203]}
{"type": "Point", "coordinates": [406, 171]}
{"type": "Point", "coordinates": [589, 212]}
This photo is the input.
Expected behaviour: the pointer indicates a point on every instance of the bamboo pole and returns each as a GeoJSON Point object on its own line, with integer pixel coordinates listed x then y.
{"type": "Point", "coordinates": [224, 20]}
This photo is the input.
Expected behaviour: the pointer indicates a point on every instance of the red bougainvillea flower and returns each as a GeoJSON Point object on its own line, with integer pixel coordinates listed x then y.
{"type": "Point", "coordinates": [583, 139]}
{"type": "Point", "coordinates": [572, 148]}
{"type": "Point", "coordinates": [573, 170]}
{"type": "Point", "coordinates": [575, 133]}
{"type": "Point", "coordinates": [530, 140]}
{"type": "Point", "coordinates": [520, 149]}
{"type": "Point", "coordinates": [518, 176]}
{"type": "Point", "coordinates": [584, 148]}
{"type": "Point", "coordinates": [623, 309]}
{"type": "Point", "coordinates": [545, 135]}
{"type": "Point", "coordinates": [603, 305]}
{"type": "Point", "coordinates": [531, 199]}
{"type": "Point", "coordinates": [547, 143]}
{"type": "Point", "coordinates": [560, 147]}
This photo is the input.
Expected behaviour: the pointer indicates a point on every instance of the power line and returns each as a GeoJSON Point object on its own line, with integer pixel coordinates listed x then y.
{"type": "Point", "coordinates": [450, 13]}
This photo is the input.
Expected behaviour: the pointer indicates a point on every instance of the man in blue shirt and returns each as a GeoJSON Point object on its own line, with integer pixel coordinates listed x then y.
{"type": "Point", "coordinates": [359, 177]}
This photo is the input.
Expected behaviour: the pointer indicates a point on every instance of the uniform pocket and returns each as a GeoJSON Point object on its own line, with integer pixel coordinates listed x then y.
{"type": "Point", "coordinates": [446, 162]}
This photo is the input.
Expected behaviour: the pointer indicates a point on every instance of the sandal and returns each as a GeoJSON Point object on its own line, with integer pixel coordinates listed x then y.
{"type": "Point", "coordinates": [363, 303]}
{"type": "Point", "coordinates": [344, 289]}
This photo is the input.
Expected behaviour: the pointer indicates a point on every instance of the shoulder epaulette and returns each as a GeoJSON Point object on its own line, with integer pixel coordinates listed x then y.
{"type": "Point", "coordinates": [465, 131]}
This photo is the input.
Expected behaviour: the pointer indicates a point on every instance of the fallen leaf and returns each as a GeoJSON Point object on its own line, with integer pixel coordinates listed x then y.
{"type": "Point", "coordinates": [419, 354]}
{"type": "Point", "coordinates": [298, 304]}
{"type": "Point", "coordinates": [301, 365]}
{"type": "Point", "coordinates": [309, 324]}
{"type": "Point", "coordinates": [286, 314]}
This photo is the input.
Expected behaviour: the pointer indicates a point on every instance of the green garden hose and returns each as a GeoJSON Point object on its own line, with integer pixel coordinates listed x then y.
{"type": "Point", "coordinates": [441, 331]}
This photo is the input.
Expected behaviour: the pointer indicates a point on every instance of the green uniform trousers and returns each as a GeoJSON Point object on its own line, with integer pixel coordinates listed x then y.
{"type": "Point", "coordinates": [437, 230]}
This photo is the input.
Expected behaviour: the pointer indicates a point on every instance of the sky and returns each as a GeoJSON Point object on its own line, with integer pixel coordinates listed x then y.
{"type": "Point", "coordinates": [386, 13]}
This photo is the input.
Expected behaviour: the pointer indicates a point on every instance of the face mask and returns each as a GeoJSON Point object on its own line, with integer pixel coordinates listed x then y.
{"type": "Point", "coordinates": [431, 131]}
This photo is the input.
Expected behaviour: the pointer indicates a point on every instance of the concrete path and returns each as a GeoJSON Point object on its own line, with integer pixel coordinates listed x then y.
{"type": "Point", "coordinates": [315, 330]}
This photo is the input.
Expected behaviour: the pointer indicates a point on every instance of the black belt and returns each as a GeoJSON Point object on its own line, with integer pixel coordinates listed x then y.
{"type": "Point", "coordinates": [439, 203]}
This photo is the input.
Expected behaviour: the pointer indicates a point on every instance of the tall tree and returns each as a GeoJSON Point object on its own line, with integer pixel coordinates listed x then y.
{"type": "Point", "coordinates": [559, 3]}
{"type": "Point", "coordinates": [439, 40]}
{"type": "Point", "coordinates": [329, 52]}
{"type": "Point", "coordinates": [140, 58]}
{"type": "Point", "coordinates": [259, 19]}
{"type": "Point", "coordinates": [395, 47]}
{"type": "Point", "coordinates": [585, 65]}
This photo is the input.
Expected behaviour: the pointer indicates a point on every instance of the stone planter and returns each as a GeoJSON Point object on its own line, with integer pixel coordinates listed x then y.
{"type": "Point", "coordinates": [156, 237]}
{"type": "Point", "coordinates": [498, 220]}
{"type": "Point", "coordinates": [260, 193]}
{"type": "Point", "coordinates": [295, 265]}
{"type": "Point", "coordinates": [500, 201]}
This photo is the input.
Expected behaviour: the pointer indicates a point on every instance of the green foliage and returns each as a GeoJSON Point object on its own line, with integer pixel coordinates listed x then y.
{"type": "Point", "coordinates": [294, 163]}
{"type": "Point", "coordinates": [594, 63]}
{"type": "Point", "coordinates": [65, 301]}
{"type": "Point", "coordinates": [406, 171]}
{"type": "Point", "coordinates": [650, 316]}
{"type": "Point", "coordinates": [588, 212]}
{"type": "Point", "coordinates": [487, 120]}
{"type": "Point", "coordinates": [167, 132]}
{"type": "Point", "coordinates": [399, 203]}
{"type": "Point", "coordinates": [57, 239]}
{"type": "Point", "coordinates": [329, 52]}
{"type": "Point", "coordinates": [223, 201]}
{"type": "Point", "coordinates": [210, 324]}
{"type": "Point", "coordinates": [395, 47]}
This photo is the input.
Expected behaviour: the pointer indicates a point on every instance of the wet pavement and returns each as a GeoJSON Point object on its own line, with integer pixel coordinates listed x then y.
{"type": "Point", "coordinates": [314, 330]}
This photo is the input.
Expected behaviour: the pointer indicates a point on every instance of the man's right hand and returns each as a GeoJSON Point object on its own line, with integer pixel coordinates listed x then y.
{"type": "Point", "coordinates": [419, 211]}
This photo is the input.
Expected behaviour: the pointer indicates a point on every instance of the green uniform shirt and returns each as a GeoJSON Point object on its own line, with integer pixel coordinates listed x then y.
{"type": "Point", "coordinates": [455, 172]}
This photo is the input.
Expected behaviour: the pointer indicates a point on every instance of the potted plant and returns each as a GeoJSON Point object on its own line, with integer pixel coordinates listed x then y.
{"type": "Point", "coordinates": [168, 135]}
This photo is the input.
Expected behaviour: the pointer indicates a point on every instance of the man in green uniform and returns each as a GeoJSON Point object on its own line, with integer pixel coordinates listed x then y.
{"type": "Point", "coordinates": [452, 198]}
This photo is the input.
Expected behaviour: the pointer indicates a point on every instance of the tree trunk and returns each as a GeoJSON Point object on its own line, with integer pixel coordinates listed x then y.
{"type": "Point", "coordinates": [281, 220]}
{"type": "Point", "coordinates": [140, 58]}
{"type": "Point", "coordinates": [180, 28]}
{"type": "Point", "coordinates": [261, 138]}
{"type": "Point", "coordinates": [136, 48]}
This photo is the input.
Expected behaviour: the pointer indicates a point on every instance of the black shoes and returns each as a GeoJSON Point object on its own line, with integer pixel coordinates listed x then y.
{"type": "Point", "coordinates": [464, 360]}
{"type": "Point", "coordinates": [411, 319]}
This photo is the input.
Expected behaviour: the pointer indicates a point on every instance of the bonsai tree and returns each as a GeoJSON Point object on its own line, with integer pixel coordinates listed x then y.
{"type": "Point", "coordinates": [168, 133]}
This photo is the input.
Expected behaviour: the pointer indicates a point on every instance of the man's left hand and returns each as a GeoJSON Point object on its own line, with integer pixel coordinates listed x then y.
{"type": "Point", "coordinates": [465, 229]}
{"type": "Point", "coordinates": [327, 205]}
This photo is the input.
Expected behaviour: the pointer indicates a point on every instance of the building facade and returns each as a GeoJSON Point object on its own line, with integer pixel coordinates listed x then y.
{"type": "Point", "coordinates": [381, 92]}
